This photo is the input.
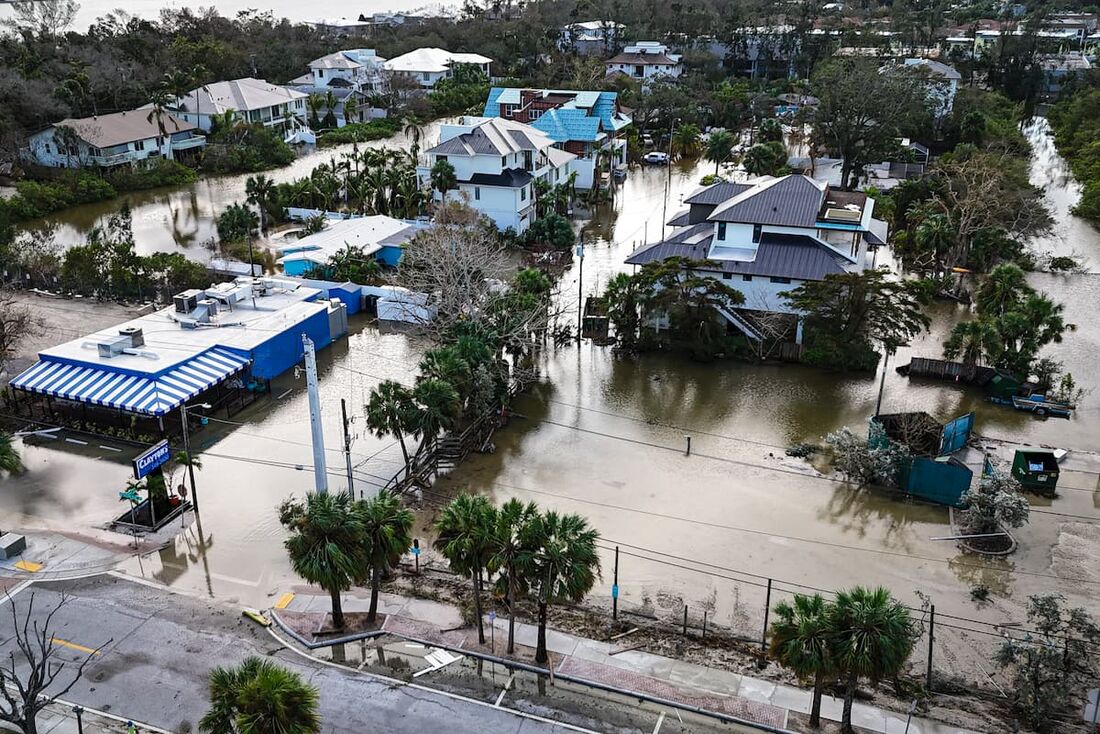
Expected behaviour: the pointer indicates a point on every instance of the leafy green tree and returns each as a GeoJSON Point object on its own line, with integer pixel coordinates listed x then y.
{"type": "Point", "coordinates": [558, 562]}
{"type": "Point", "coordinates": [326, 544]}
{"type": "Point", "coordinates": [9, 457]}
{"type": "Point", "coordinates": [464, 537]}
{"type": "Point", "coordinates": [386, 536]}
{"type": "Point", "coordinates": [443, 178]}
{"type": "Point", "coordinates": [972, 341]}
{"type": "Point", "coordinates": [623, 308]}
{"type": "Point", "coordinates": [801, 640]}
{"type": "Point", "coordinates": [509, 532]}
{"type": "Point", "coordinates": [771, 129]}
{"type": "Point", "coordinates": [552, 229]}
{"type": "Point", "coordinates": [437, 407]}
{"type": "Point", "coordinates": [862, 111]}
{"type": "Point", "coordinates": [873, 637]}
{"type": "Point", "coordinates": [719, 147]}
{"type": "Point", "coordinates": [848, 314]}
{"type": "Point", "coordinates": [237, 223]}
{"type": "Point", "coordinates": [766, 159]}
{"type": "Point", "coordinates": [1052, 663]}
{"type": "Point", "coordinates": [260, 697]}
{"type": "Point", "coordinates": [389, 412]}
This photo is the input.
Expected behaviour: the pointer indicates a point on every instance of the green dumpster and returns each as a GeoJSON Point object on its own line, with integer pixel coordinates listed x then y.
{"type": "Point", "coordinates": [1036, 469]}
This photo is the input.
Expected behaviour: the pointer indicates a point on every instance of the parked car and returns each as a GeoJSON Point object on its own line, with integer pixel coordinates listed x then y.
{"type": "Point", "coordinates": [647, 140]}
{"type": "Point", "coordinates": [656, 157]}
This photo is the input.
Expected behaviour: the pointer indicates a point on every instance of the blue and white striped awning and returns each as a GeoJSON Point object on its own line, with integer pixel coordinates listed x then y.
{"type": "Point", "coordinates": [135, 394]}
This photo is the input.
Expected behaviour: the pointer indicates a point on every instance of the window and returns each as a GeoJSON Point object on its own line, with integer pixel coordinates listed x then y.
{"type": "Point", "coordinates": [746, 277]}
{"type": "Point", "coordinates": [477, 193]}
{"type": "Point", "coordinates": [424, 76]}
{"type": "Point", "coordinates": [139, 145]}
{"type": "Point", "coordinates": [757, 230]}
{"type": "Point", "coordinates": [440, 158]}
{"type": "Point", "coordinates": [779, 280]}
{"type": "Point", "coordinates": [721, 230]}
{"type": "Point", "coordinates": [504, 161]}
{"type": "Point", "coordinates": [523, 194]}
{"type": "Point", "coordinates": [727, 276]}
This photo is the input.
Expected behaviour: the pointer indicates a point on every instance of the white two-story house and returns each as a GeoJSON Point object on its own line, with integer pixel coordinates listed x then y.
{"type": "Point", "coordinates": [119, 139]}
{"type": "Point", "coordinates": [645, 61]}
{"type": "Point", "coordinates": [497, 162]}
{"type": "Point", "coordinates": [428, 66]}
{"type": "Point", "coordinates": [249, 100]}
{"type": "Point", "coordinates": [357, 74]}
{"type": "Point", "coordinates": [768, 236]}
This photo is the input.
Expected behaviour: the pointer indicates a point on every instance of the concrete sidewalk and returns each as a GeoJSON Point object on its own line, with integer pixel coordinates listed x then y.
{"type": "Point", "coordinates": [744, 696]}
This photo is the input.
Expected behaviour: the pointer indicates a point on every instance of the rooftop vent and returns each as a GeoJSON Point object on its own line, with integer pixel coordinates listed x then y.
{"type": "Point", "coordinates": [134, 334]}
{"type": "Point", "coordinates": [843, 215]}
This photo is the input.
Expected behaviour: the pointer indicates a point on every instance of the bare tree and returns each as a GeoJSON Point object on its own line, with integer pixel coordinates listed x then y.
{"type": "Point", "coordinates": [16, 324]}
{"type": "Point", "coordinates": [33, 669]}
{"type": "Point", "coordinates": [42, 18]}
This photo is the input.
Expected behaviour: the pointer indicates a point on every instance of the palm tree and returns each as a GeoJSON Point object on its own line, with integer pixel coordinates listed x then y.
{"type": "Point", "coordinates": [261, 192]}
{"type": "Point", "coordinates": [314, 102]}
{"type": "Point", "coordinates": [259, 697]}
{"type": "Point", "coordinates": [351, 109]}
{"type": "Point", "coordinates": [800, 640]}
{"type": "Point", "coordinates": [465, 529]}
{"type": "Point", "coordinates": [971, 341]}
{"type": "Point", "coordinates": [330, 108]}
{"type": "Point", "coordinates": [9, 457]}
{"type": "Point", "coordinates": [177, 83]}
{"type": "Point", "coordinates": [685, 141]}
{"type": "Point", "coordinates": [873, 636]}
{"type": "Point", "coordinates": [158, 99]}
{"type": "Point", "coordinates": [386, 534]}
{"type": "Point", "coordinates": [446, 365]}
{"type": "Point", "coordinates": [444, 178]}
{"type": "Point", "coordinates": [414, 132]}
{"type": "Point", "coordinates": [438, 407]}
{"type": "Point", "coordinates": [1004, 287]}
{"type": "Point", "coordinates": [558, 562]}
{"type": "Point", "coordinates": [326, 545]}
{"type": "Point", "coordinates": [719, 147]}
{"type": "Point", "coordinates": [511, 527]}
{"type": "Point", "coordinates": [935, 235]}
{"type": "Point", "coordinates": [389, 412]}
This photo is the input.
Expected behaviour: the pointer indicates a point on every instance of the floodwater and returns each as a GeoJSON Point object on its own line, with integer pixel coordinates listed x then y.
{"type": "Point", "coordinates": [184, 218]}
{"type": "Point", "coordinates": [605, 436]}
{"type": "Point", "coordinates": [90, 10]}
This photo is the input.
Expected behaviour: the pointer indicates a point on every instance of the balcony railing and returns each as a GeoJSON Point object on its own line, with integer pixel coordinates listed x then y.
{"type": "Point", "coordinates": [117, 159]}
{"type": "Point", "coordinates": [187, 143]}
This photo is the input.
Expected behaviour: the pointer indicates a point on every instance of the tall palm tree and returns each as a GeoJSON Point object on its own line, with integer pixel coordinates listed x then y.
{"type": "Point", "coordinates": [1004, 287]}
{"type": "Point", "coordinates": [177, 83]}
{"type": "Point", "coordinates": [512, 521]}
{"type": "Point", "coordinates": [873, 636]}
{"type": "Point", "coordinates": [935, 236]}
{"type": "Point", "coordinates": [326, 545]}
{"type": "Point", "coordinates": [414, 133]}
{"type": "Point", "coordinates": [446, 365]}
{"type": "Point", "coordinates": [719, 148]}
{"type": "Point", "coordinates": [438, 408]}
{"type": "Point", "coordinates": [558, 562]}
{"type": "Point", "coordinates": [351, 109]}
{"type": "Point", "coordinates": [685, 141]}
{"type": "Point", "coordinates": [386, 535]}
{"type": "Point", "coordinates": [9, 457]}
{"type": "Point", "coordinates": [465, 529]}
{"type": "Point", "coordinates": [443, 178]}
{"type": "Point", "coordinates": [972, 341]}
{"type": "Point", "coordinates": [801, 641]}
{"type": "Point", "coordinates": [261, 192]}
{"type": "Point", "coordinates": [330, 108]}
{"type": "Point", "coordinates": [389, 412]}
{"type": "Point", "coordinates": [259, 697]}
{"type": "Point", "coordinates": [314, 102]}
{"type": "Point", "coordinates": [159, 99]}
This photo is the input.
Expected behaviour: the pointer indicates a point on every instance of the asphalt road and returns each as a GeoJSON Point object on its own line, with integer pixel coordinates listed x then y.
{"type": "Point", "coordinates": [157, 648]}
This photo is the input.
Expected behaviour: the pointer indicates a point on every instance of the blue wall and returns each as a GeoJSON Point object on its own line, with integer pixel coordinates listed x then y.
{"type": "Point", "coordinates": [282, 351]}
{"type": "Point", "coordinates": [297, 267]}
{"type": "Point", "coordinates": [389, 255]}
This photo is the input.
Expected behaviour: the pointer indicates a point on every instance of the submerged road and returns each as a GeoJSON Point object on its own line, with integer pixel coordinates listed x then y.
{"type": "Point", "coordinates": [156, 650]}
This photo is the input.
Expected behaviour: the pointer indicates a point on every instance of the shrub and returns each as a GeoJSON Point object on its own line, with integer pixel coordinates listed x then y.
{"type": "Point", "coordinates": [361, 132]}
{"type": "Point", "coordinates": [151, 176]}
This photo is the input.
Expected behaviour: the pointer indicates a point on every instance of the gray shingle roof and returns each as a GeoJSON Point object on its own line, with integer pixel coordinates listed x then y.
{"type": "Point", "coordinates": [717, 193]}
{"type": "Point", "coordinates": [790, 201]}
{"type": "Point", "coordinates": [797, 257]}
{"type": "Point", "coordinates": [511, 177]}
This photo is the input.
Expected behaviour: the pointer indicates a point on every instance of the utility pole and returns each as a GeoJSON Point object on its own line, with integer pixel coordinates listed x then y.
{"type": "Point", "coordinates": [347, 446]}
{"type": "Point", "coordinates": [615, 588]}
{"type": "Point", "coordinates": [320, 470]}
{"type": "Point", "coordinates": [882, 382]}
{"type": "Point", "coordinates": [580, 289]}
{"type": "Point", "coordinates": [190, 459]}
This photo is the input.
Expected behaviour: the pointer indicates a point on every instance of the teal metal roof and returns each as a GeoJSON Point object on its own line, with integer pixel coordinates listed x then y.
{"type": "Point", "coordinates": [584, 118]}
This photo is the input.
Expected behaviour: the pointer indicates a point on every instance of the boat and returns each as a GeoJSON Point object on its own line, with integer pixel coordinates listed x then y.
{"type": "Point", "coordinates": [1041, 406]}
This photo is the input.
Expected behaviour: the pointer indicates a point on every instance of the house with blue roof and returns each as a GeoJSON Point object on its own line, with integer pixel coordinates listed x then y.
{"type": "Point", "coordinates": [590, 125]}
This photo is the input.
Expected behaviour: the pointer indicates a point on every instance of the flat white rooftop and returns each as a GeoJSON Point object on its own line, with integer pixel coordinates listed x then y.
{"type": "Point", "coordinates": [248, 324]}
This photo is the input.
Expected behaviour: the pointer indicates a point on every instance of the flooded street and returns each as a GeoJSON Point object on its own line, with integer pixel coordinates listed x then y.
{"type": "Point", "coordinates": [604, 436]}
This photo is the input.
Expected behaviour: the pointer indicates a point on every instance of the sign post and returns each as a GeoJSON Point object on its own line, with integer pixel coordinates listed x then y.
{"type": "Point", "coordinates": [153, 458]}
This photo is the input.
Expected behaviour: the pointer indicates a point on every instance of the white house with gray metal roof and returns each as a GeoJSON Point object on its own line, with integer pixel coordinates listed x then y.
{"type": "Point", "coordinates": [497, 162]}
{"type": "Point", "coordinates": [106, 141]}
{"type": "Point", "coordinates": [253, 101]}
{"type": "Point", "coordinates": [769, 235]}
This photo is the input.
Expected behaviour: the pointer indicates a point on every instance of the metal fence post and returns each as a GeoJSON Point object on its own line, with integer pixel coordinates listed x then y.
{"type": "Point", "coordinates": [685, 620]}
{"type": "Point", "coordinates": [931, 643]}
{"type": "Point", "coordinates": [764, 637]}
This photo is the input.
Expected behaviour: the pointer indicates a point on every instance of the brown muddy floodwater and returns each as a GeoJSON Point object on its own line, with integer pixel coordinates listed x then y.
{"type": "Point", "coordinates": [604, 436]}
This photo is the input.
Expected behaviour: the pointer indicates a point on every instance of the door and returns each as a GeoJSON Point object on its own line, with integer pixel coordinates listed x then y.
{"type": "Point", "coordinates": [956, 433]}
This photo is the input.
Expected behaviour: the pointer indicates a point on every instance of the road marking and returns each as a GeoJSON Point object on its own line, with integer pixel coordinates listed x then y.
{"type": "Point", "coordinates": [232, 580]}
{"type": "Point", "coordinates": [507, 685]}
{"type": "Point", "coordinates": [15, 590]}
{"type": "Point", "coordinates": [77, 441]}
{"type": "Point", "coordinates": [660, 720]}
{"type": "Point", "coordinates": [73, 646]}
{"type": "Point", "coordinates": [28, 566]}
{"type": "Point", "coordinates": [284, 601]}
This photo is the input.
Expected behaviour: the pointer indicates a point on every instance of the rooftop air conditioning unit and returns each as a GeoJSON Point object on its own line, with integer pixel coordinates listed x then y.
{"type": "Point", "coordinates": [113, 346]}
{"type": "Point", "coordinates": [135, 334]}
{"type": "Point", "coordinates": [210, 305]}
{"type": "Point", "coordinates": [187, 301]}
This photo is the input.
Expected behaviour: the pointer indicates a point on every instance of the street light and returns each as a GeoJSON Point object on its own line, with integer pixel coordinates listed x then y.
{"type": "Point", "coordinates": [187, 450]}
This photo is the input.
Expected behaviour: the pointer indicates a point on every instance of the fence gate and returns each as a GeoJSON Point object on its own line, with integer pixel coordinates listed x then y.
{"type": "Point", "coordinates": [956, 433]}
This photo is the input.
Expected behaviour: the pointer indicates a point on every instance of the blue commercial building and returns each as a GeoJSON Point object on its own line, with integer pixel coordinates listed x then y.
{"type": "Point", "coordinates": [221, 346]}
{"type": "Point", "coordinates": [582, 123]}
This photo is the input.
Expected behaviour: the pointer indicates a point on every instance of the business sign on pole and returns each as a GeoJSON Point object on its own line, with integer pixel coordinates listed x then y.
{"type": "Point", "coordinates": [155, 457]}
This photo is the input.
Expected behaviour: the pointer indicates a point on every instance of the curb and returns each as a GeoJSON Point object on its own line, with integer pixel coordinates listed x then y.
{"type": "Point", "coordinates": [326, 643]}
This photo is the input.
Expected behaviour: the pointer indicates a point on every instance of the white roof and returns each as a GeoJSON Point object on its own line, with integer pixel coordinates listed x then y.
{"type": "Point", "coordinates": [368, 233]}
{"type": "Point", "coordinates": [434, 60]}
{"type": "Point", "coordinates": [241, 95]}
{"type": "Point", "coordinates": [167, 343]}
{"type": "Point", "coordinates": [351, 59]}
{"type": "Point", "coordinates": [596, 25]}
